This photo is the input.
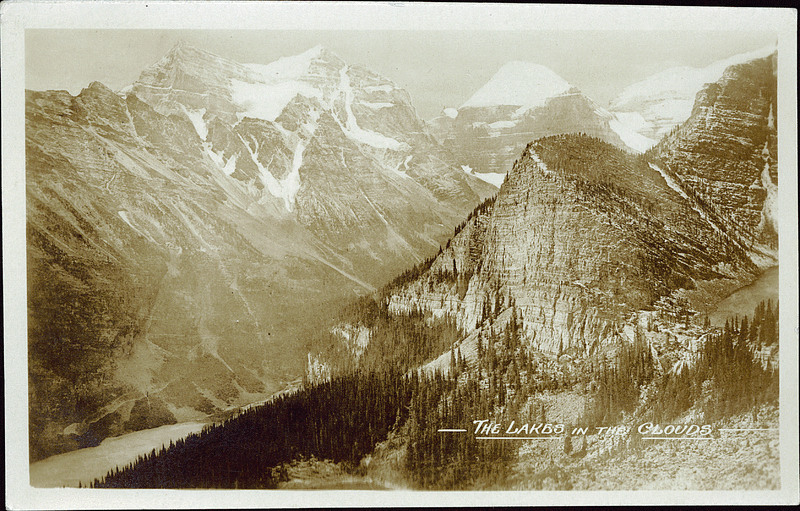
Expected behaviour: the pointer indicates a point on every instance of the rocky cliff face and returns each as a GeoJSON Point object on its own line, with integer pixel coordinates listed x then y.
{"type": "Point", "coordinates": [184, 235]}
{"type": "Point", "coordinates": [581, 235]}
{"type": "Point", "coordinates": [726, 152]}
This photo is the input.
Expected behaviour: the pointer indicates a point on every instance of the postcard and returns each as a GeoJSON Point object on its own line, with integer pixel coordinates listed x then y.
{"type": "Point", "coordinates": [392, 254]}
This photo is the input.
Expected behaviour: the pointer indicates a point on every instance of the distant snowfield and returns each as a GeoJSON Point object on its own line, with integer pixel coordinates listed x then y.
{"type": "Point", "coordinates": [519, 83]}
{"type": "Point", "coordinates": [631, 138]}
{"type": "Point", "coordinates": [85, 465]}
{"type": "Point", "coordinates": [275, 85]}
{"type": "Point", "coordinates": [666, 98]}
{"type": "Point", "coordinates": [493, 178]}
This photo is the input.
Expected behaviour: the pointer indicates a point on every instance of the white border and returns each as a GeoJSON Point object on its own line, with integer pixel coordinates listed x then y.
{"type": "Point", "coordinates": [17, 16]}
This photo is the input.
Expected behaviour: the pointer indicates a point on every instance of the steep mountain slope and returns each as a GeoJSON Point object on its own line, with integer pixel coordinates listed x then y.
{"type": "Point", "coordinates": [321, 136]}
{"type": "Point", "coordinates": [144, 273]}
{"type": "Point", "coordinates": [655, 105]}
{"type": "Point", "coordinates": [523, 102]}
{"type": "Point", "coordinates": [581, 235]}
{"type": "Point", "coordinates": [180, 246]}
{"type": "Point", "coordinates": [725, 154]}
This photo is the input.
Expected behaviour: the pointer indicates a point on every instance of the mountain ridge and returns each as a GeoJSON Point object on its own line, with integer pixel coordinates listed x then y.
{"type": "Point", "coordinates": [658, 103]}
{"type": "Point", "coordinates": [228, 235]}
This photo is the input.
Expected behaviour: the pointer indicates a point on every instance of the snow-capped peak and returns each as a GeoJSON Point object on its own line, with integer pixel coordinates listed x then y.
{"type": "Point", "coordinates": [293, 67]}
{"type": "Point", "coordinates": [272, 86]}
{"type": "Point", "coordinates": [519, 83]}
{"type": "Point", "coordinates": [656, 104]}
{"type": "Point", "coordinates": [683, 80]}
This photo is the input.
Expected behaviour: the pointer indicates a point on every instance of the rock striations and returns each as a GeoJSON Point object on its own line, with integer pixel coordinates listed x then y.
{"type": "Point", "coordinates": [726, 152]}
{"type": "Point", "coordinates": [185, 233]}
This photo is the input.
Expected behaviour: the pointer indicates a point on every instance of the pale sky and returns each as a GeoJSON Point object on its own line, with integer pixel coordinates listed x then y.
{"type": "Point", "coordinates": [438, 68]}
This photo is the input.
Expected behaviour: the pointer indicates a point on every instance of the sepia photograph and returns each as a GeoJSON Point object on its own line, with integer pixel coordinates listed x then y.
{"type": "Point", "coordinates": [512, 254]}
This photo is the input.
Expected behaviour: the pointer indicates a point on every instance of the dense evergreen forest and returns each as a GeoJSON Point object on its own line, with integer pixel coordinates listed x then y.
{"type": "Point", "coordinates": [342, 419]}
{"type": "Point", "coordinates": [728, 375]}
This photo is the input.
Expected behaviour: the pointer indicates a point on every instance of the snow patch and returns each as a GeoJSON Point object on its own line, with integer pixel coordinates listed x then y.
{"type": "Point", "coordinates": [771, 119]}
{"type": "Point", "coordinates": [675, 186]}
{"type": "Point", "coordinates": [267, 100]}
{"type": "Point", "coordinates": [518, 83]}
{"type": "Point", "coordinates": [272, 86]}
{"type": "Point", "coordinates": [635, 141]}
{"type": "Point", "coordinates": [493, 178]}
{"type": "Point", "coordinates": [227, 167]}
{"type": "Point", "coordinates": [124, 216]}
{"type": "Point", "coordinates": [230, 166]}
{"type": "Point", "coordinates": [288, 187]}
{"type": "Point", "coordinates": [352, 129]}
{"type": "Point", "coordinates": [502, 124]}
{"type": "Point", "coordinates": [450, 112]}
{"type": "Point", "coordinates": [196, 116]}
{"type": "Point", "coordinates": [376, 106]}
{"type": "Point", "coordinates": [540, 163]}
{"type": "Point", "coordinates": [633, 120]}
{"type": "Point", "coordinates": [404, 164]}
{"type": "Point", "coordinates": [670, 182]}
{"type": "Point", "coordinates": [291, 183]}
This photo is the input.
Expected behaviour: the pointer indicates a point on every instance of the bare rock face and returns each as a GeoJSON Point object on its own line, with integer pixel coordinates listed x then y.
{"type": "Point", "coordinates": [581, 235]}
{"type": "Point", "coordinates": [186, 235]}
{"type": "Point", "coordinates": [726, 153]}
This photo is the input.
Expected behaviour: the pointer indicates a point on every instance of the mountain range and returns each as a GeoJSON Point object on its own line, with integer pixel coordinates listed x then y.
{"type": "Point", "coordinates": [190, 234]}
{"type": "Point", "coordinates": [574, 303]}
{"type": "Point", "coordinates": [524, 101]}
{"type": "Point", "coordinates": [588, 240]}
{"type": "Point", "coordinates": [185, 232]}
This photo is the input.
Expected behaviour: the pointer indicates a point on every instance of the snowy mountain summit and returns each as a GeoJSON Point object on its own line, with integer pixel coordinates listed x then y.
{"type": "Point", "coordinates": [523, 101]}
{"type": "Point", "coordinates": [655, 105]}
{"type": "Point", "coordinates": [519, 83]}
